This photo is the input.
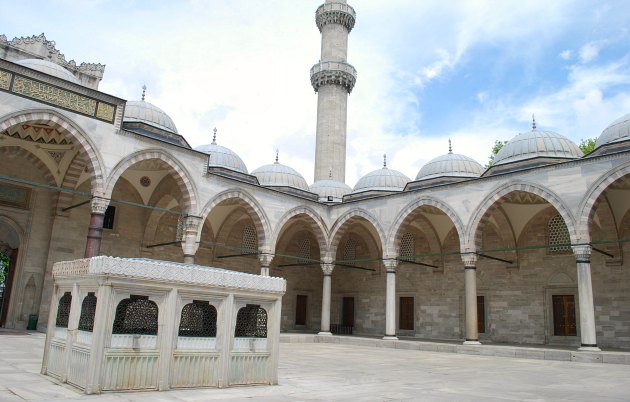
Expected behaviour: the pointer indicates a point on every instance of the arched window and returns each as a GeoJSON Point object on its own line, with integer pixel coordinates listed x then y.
{"type": "Point", "coordinates": [199, 319]}
{"type": "Point", "coordinates": [88, 310]}
{"type": "Point", "coordinates": [63, 310]}
{"type": "Point", "coordinates": [304, 248]}
{"type": "Point", "coordinates": [407, 247]}
{"type": "Point", "coordinates": [558, 235]}
{"type": "Point", "coordinates": [250, 240]}
{"type": "Point", "coordinates": [136, 315]}
{"type": "Point", "coordinates": [251, 322]}
{"type": "Point", "coordinates": [350, 249]}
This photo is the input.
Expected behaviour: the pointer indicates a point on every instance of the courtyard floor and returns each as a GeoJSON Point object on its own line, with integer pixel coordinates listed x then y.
{"type": "Point", "coordinates": [340, 372]}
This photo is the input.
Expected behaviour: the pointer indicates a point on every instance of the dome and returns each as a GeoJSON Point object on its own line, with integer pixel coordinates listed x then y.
{"type": "Point", "coordinates": [49, 68]}
{"type": "Point", "coordinates": [221, 156]}
{"type": "Point", "coordinates": [145, 112]}
{"type": "Point", "coordinates": [618, 130]}
{"type": "Point", "coordinates": [450, 165]}
{"type": "Point", "coordinates": [330, 188]}
{"type": "Point", "coordinates": [278, 175]}
{"type": "Point", "coordinates": [537, 143]}
{"type": "Point", "coordinates": [383, 179]}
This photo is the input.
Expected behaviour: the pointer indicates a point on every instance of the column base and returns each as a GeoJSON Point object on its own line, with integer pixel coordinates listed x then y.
{"type": "Point", "coordinates": [325, 333]}
{"type": "Point", "coordinates": [589, 348]}
{"type": "Point", "coordinates": [390, 338]}
{"type": "Point", "coordinates": [471, 342]}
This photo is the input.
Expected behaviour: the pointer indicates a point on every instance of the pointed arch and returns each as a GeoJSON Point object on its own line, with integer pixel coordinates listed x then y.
{"type": "Point", "coordinates": [338, 230]}
{"type": "Point", "coordinates": [55, 119]}
{"type": "Point", "coordinates": [253, 208]}
{"type": "Point", "coordinates": [490, 202]}
{"type": "Point", "coordinates": [179, 172]}
{"type": "Point", "coordinates": [318, 226]}
{"type": "Point", "coordinates": [392, 238]}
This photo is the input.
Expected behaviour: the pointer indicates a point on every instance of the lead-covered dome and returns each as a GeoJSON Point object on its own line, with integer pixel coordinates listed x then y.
{"type": "Point", "coordinates": [450, 165]}
{"type": "Point", "coordinates": [383, 179]}
{"type": "Point", "coordinates": [330, 188]}
{"type": "Point", "coordinates": [537, 144]}
{"type": "Point", "coordinates": [618, 130]}
{"type": "Point", "coordinates": [49, 68]}
{"type": "Point", "coordinates": [145, 112]}
{"type": "Point", "coordinates": [222, 157]}
{"type": "Point", "coordinates": [279, 175]}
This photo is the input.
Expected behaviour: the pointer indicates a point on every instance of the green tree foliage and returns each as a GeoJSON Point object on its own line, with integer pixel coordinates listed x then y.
{"type": "Point", "coordinates": [498, 144]}
{"type": "Point", "coordinates": [4, 266]}
{"type": "Point", "coordinates": [587, 145]}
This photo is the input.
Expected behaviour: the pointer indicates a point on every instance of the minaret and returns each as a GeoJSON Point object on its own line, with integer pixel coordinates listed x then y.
{"type": "Point", "coordinates": [333, 79]}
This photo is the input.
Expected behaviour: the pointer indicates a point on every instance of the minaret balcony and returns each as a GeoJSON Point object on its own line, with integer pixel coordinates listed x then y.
{"type": "Point", "coordinates": [335, 13]}
{"type": "Point", "coordinates": [333, 73]}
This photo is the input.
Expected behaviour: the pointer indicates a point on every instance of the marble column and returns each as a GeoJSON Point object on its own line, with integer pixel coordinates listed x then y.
{"type": "Point", "coordinates": [470, 286]}
{"type": "Point", "coordinates": [95, 230]}
{"type": "Point", "coordinates": [327, 268]}
{"type": "Point", "coordinates": [265, 262]}
{"type": "Point", "coordinates": [190, 233]}
{"type": "Point", "coordinates": [585, 295]}
{"type": "Point", "coordinates": [390, 299]}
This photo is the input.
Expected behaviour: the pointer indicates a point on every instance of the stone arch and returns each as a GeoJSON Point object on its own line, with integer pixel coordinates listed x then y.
{"type": "Point", "coordinates": [338, 231]}
{"type": "Point", "coordinates": [179, 172]}
{"type": "Point", "coordinates": [57, 120]}
{"type": "Point", "coordinates": [30, 157]}
{"type": "Point", "coordinates": [588, 205]}
{"type": "Point", "coordinates": [472, 239]}
{"type": "Point", "coordinates": [252, 207]}
{"type": "Point", "coordinates": [392, 238]}
{"type": "Point", "coordinates": [319, 231]}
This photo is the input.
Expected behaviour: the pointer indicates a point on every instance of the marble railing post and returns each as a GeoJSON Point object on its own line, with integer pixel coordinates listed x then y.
{"type": "Point", "coordinates": [470, 286]}
{"type": "Point", "coordinates": [95, 230]}
{"type": "Point", "coordinates": [189, 238]}
{"type": "Point", "coordinates": [327, 268]}
{"type": "Point", "coordinates": [585, 293]}
{"type": "Point", "coordinates": [390, 299]}
{"type": "Point", "coordinates": [265, 262]}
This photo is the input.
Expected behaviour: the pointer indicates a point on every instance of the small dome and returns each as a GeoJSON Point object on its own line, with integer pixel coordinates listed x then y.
{"type": "Point", "coordinates": [49, 68]}
{"type": "Point", "coordinates": [278, 175]}
{"type": "Point", "coordinates": [145, 112]}
{"type": "Point", "coordinates": [450, 165]}
{"type": "Point", "coordinates": [383, 179]}
{"type": "Point", "coordinates": [537, 143]}
{"type": "Point", "coordinates": [221, 156]}
{"type": "Point", "coordinates": [618, 130]}
{"type": "Point", "coordinates": [330, 188]}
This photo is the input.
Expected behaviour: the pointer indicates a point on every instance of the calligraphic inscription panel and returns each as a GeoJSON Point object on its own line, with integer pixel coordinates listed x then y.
{"type": "Point", "coordinates": [5, 80]}
{"type": "Point", "coordinates": [56, 96]}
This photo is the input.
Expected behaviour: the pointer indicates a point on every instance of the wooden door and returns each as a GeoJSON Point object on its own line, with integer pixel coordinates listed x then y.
{"type": "Point", "coordinates": [564, 322]}
{"type": "Point", "coordinates": [405, 315]}
{"type": "Point", "coordinates": [347, 316]}
{"type": "Point", "coordinates": [481, 314]}
{"type": "Point", "coordinates": [300, 310]}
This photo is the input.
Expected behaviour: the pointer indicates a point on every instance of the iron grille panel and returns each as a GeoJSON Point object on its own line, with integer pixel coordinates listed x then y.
{"type": "Point", "coordinates": [559, 238]}
{"type": "Point", "coordinates": [63, 311]}
{"type": "Point", "coordinates": [88, 311]}
{"type": "Point", "coordinates": [199, 319]}
{"type": "Point", "coordinates": [251, 322]}
{"type": "Point", "coordinates": [136, 315]}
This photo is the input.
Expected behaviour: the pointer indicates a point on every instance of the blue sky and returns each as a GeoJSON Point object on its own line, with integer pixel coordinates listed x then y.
{"type": "Point", "coordinates": [470, 70]}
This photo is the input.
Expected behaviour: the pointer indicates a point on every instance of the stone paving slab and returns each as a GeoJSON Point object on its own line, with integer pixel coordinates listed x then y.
{"type": "Point", "coordinates": [336, 371]}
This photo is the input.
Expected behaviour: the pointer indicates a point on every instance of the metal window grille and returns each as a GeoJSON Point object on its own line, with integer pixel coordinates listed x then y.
{"type": "Point", "coordinates": [199, 319]}
{"type": "Point", "coordinates": [179, 234]}
{"type": "Point", "coordinates": [407, 246]}
{"type": "Point", "coordinates": [63, 310]}
{"type": "Point", "coordinates": [251, 322]}
{"type": "Point", "coordinates": [108, 219]}
{"type": "Point", "coordinates": [304, 248]}
{"type": "Point", "coordinates": [136, 315]}
{"type": "Point", "coordinates": [250, 241]}
{"type": "Point", "coordinates": [559, 238]}
{"type": "Point", "coordinates": [88, 311]}
{"type": "Point", "coordinates": [350, 249]}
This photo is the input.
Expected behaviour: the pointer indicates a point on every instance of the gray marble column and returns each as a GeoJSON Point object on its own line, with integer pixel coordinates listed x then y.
{"type": "Point", "coordinates": [470, 286]}
{"type": "Point", "coordinates": [265, 263]}
{"type": "Point", "coordinates": [190, 233]}
{"type": "Point", "coordinates": [585, 294]}
{"type": "Point", "coordinates": [390, 299]}
{"type": "Point", "coordinates": [327, 268]}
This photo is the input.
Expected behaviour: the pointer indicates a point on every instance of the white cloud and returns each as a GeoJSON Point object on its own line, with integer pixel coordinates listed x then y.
{"type": "Point", "coordinates": [566, 54]}
{"type": "Point", "coordinates": [589, 52]}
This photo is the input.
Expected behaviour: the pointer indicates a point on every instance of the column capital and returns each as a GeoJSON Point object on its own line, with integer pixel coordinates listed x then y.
{"type": "Point", "coordinates": [582, 253]}
{"type": "Point", "coordinates": [99, 205]}
{"type": "Point", "coordinates": [265, 258]}
{"type": "Point", "coordinates": [327, 268]}
{"type": "Point", "coordinates": [470, 259]}
{"type": "Point", "coordinates": [390, 264]}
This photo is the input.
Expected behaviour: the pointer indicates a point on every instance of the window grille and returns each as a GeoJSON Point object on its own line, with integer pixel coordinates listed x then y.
{"type": "Point", "coordinates": [250, 240]}
{"type": "Point", "coordinates": [559, 240]}
{"type": "Point", "coordinates": [108, 219]}
{"type": "Point", "coordinates": [199, 319]}
{"type": "Point", "coordinates": [63, 311]}
{"type": "Point", "coordinates": [181, 223]}
{"type": "Point", "coordinates": [350, 249]}
{"type": "Point", "coordinates": [304, 248]}
{"type": "Point", "coordinates": [136, 315]}
{"type": "Point", "coordinates": [407, 247]}
{"type": "Point", "coordinates": [88, 311]}
{"type": "Point", "coordinates": [251, 322]}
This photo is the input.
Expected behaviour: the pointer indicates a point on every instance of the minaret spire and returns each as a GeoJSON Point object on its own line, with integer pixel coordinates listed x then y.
{"type": "Point", "coordinates": [144, 91]}
{"type": "Point", "coordinates": [333, 79]}
{"type": "Point", "coordinates": [533, 122]}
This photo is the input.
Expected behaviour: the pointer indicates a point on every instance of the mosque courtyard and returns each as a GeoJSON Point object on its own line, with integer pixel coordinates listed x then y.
{"type": "Point", "coordinates": [341, 372]}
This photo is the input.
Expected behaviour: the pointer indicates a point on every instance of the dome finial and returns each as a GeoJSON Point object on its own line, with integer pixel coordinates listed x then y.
{"type": "Point", "coordinates": [277, 152]}
{"type": "Point", "coordinates": [144, 91]}
{"type": "Point", "coordinates": [450, 148]}
{"type": "Point", "coordinates": [214, 136]}
{"type": "Point", "coordinates": [384, 161]}
{"type": "Point", "coordinates": [533, 122]}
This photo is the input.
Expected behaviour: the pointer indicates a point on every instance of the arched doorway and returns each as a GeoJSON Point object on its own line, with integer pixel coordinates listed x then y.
{"type": "Point", "coordinates": [9, 249]}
